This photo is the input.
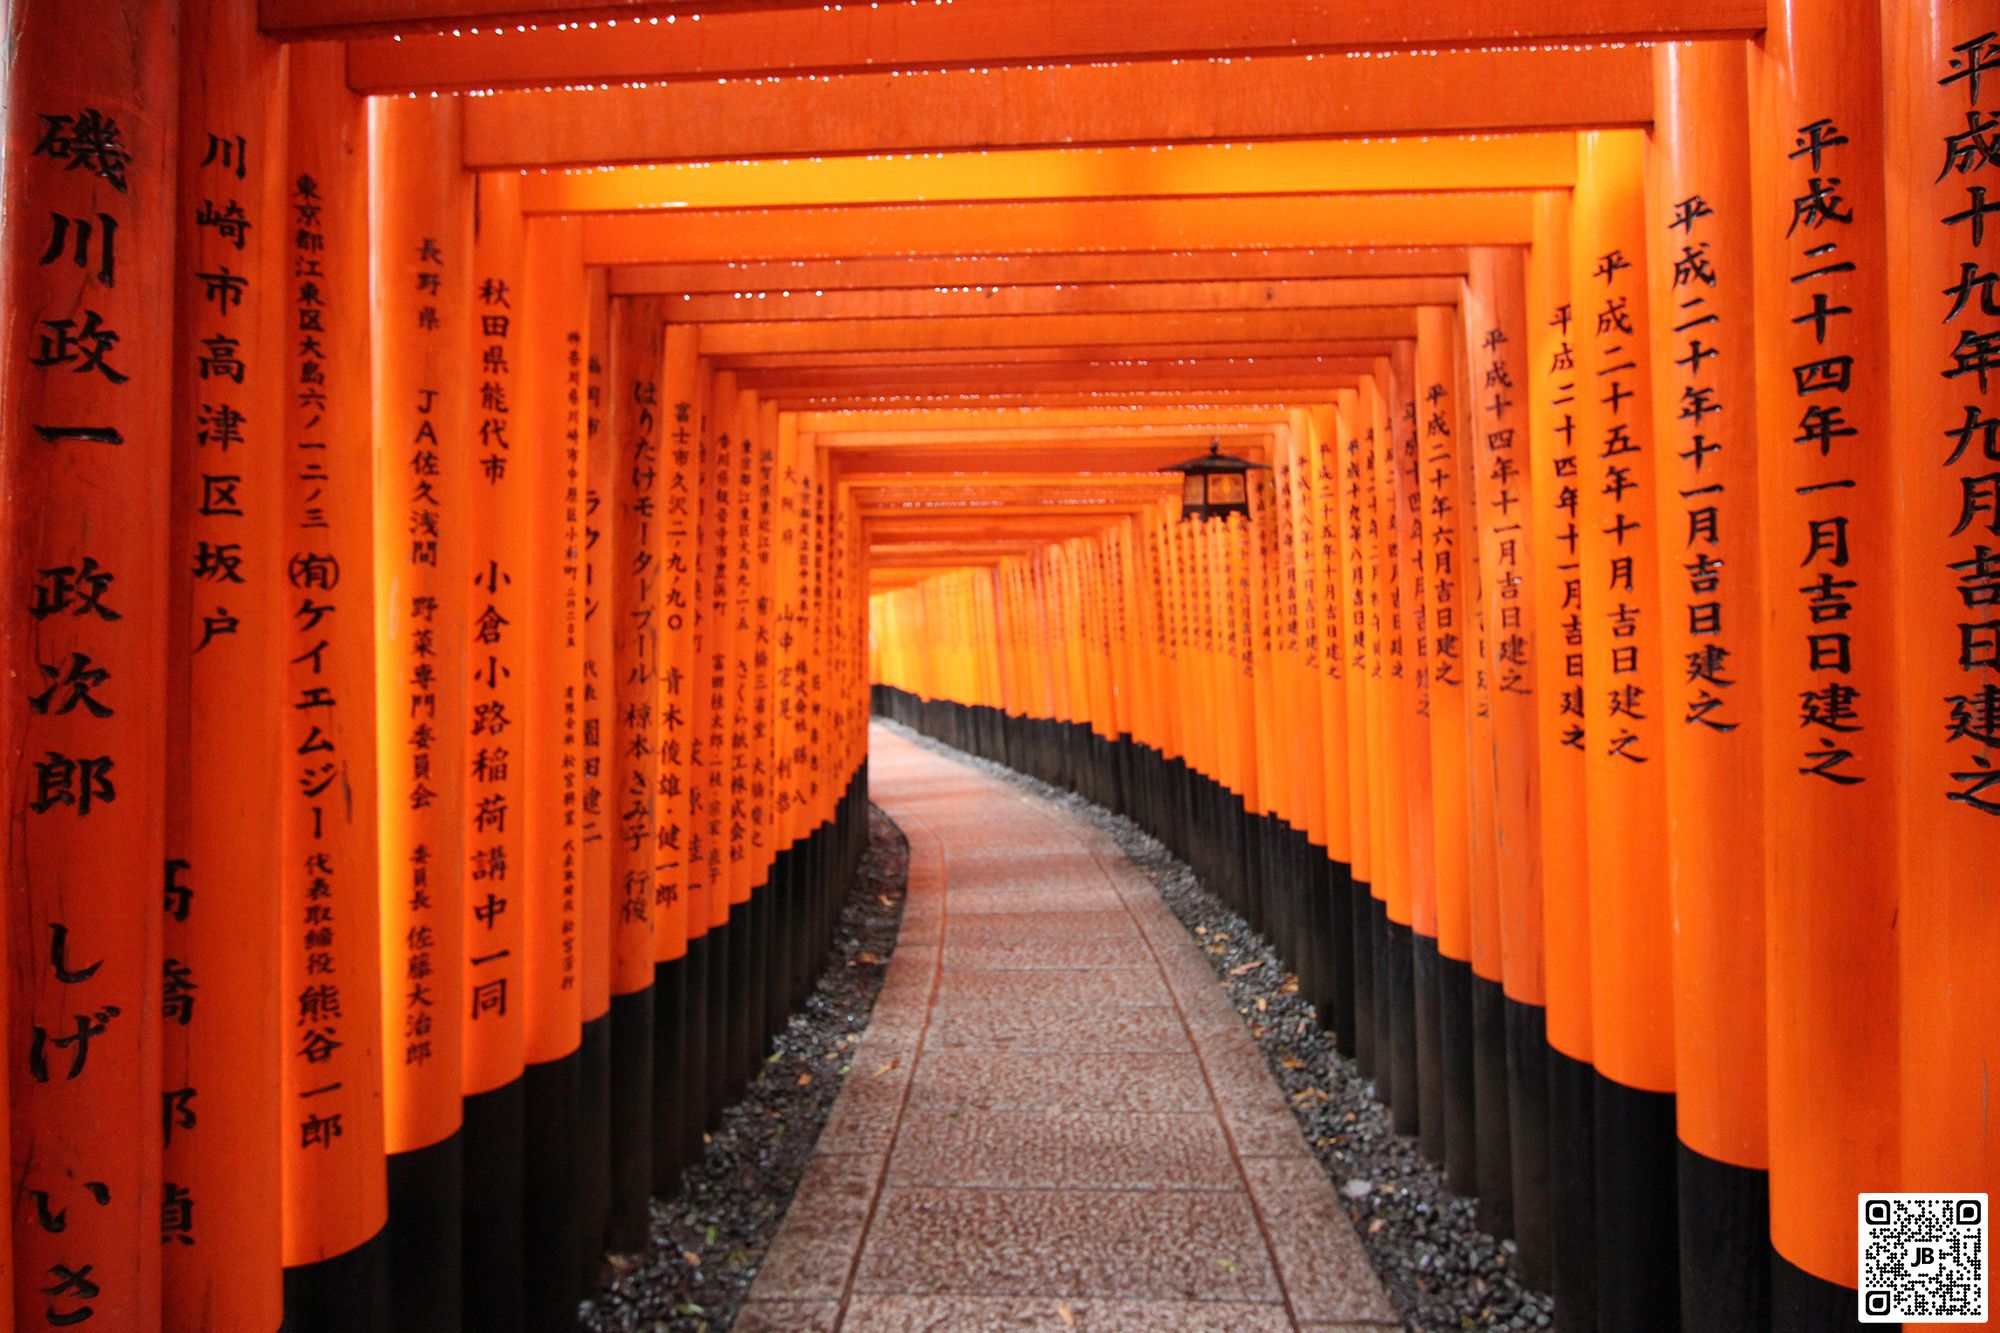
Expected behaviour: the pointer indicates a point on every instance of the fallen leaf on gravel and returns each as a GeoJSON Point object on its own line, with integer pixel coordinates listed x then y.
{"type": "Point", "coordinates": [805, 1080]}
{"type": "Point", "coordinates": [1263, 1004]}
{"type": "Point", "coordinates": [1376, 1226]}
{"type": "Point", "coordinates": [1247, 967]}
{"type": "Point", "coordinates": [692, 1259]}
{"type": "Point", "coordinates": [1064, 1313]}
{"type": "Point", "coordinates": [1291, 986]}
{"type": "Point", "coordinates": [1289, 1063]}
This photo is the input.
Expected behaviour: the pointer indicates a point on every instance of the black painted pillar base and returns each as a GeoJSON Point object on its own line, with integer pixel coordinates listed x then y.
{"type": "Point", "coordinates": [1573, 1193]}
{"type": "Point", "coordinates": [495, 1142]}
{"type": "Point", "coordinates": [348, 1293]}
{"type": "Point", "coordinates": [1492, 1107]}
{"type": "Point", "coordinates": [669, 1084]}
{"type": "Point", "coordinates": [716, 1048]}
{"type": "Point", "coordinates": [425, 1253]}
{"type": "Point", "coordinates": [1399, 997]}
{"type": "Point", "coordinates": [593, 1147]}
{"type": "Point", "coordinates": [1725, 1238]}
{"type": "Point", "coordinates": [694, 1049]}
{"type": "Point", "coordinates": [631, 1152]}
{"type": "Point", "coordinates": [742, 955]}
{"type": "Point", "coordinates": [1638, 1192]}
{"type": "Point", "coordinates": [1803, 1302]}
{"type": "Point", "coordinates": [551, 1205]}
{"type": "Point", "coordinates": [1461, 1110]}
{"type": "Point", "coordinates": [1429, 1038]}
{"type": "Point", "coordinates": [1361, 943]}
{"type": "Point", "coordinates": [1528, 1140]}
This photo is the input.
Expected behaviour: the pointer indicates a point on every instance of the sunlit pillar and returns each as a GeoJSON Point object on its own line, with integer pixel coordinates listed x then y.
{"type": "Point", "coordinates": [549, 422]}
{"type": "Point", "coordinates": [421, 263]}
{"type": "Point", "coordinates": [632, 421]}
{"type": "Point", "coordinates": [1560, 604]}
{"type": "Point", "coordinates": [1827, 482]}
{"type": "Point", "coordinates": [1444, 962]}
{"type": "Point", "coordinates": [1508, 986]}
{"type": "Point", "coordinates": [1943, 177]}
{"type": "Point", "coordinates": [1705, 406]}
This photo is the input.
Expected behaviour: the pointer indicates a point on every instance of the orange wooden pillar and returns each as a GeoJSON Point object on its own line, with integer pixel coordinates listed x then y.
{"type": "Point", "coordinates": [1943, 70]}
{"type": "Point", "coordinates": [1359, 630]}
{"type": "Point", "coordinates": [739, 441]}
{"type": "Point", "coordinates": [676, 999]}
{"type": "Point", "coordinates": [88, 381]}
{"type": "Point", "coordinates": [1310, 863]}
{"type": "Point", "coordinates": [1554, 497]}
{"type": "Point", "coordinates": [227, 630]}
{"type": "Point", "coordinates": [1412, 897]}
{"type": "Point", "coordinates": [331, 1121]}
{"type": "Point", "coordinates": [1388, 798]}
{"type": "Point", "coordinates": [635, 429]}
{"type": "Point", "coordinates": [1419, 685]}
{"type": "Point", "coordinates": [1443, 961]}
{"type": "Point", "coordinates": [1507, 995]}
{"type": "Point", "coordinates": [1827, 480]}
{"type": "Point", "coordinates": [767, 998]}
{"type": "Point", "coordinates": [499, 736]}
{"type": "Point", "coordinates": [1331, 668]}
{"type": "Point", "coordinates": [790, 827]}
{"type": "Point", "coordinates": [708, 794]}
{"type": "Point", "coordinates": [1705, 406]}
{"type": "Point", "coordinates": [1631, 917]}
{"type": "Point", "coordinates": [421, 260]}
{"type": "Point", "coordinates": [599, 799]}
{"type": "Point", "coordinates": [549, 430]}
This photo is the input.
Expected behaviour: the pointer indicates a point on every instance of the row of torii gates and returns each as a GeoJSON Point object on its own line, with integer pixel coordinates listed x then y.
{"type": "Point", "coordinates": [464, 468]}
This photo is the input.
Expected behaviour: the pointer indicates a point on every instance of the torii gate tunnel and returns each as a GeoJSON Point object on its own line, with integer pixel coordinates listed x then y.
{"type": "Point", "coordinates": [470, 466]}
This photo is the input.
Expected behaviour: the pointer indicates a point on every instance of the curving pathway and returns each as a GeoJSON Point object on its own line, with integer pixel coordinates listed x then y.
{"type": "Point", "coordinates": [1055, 1119]}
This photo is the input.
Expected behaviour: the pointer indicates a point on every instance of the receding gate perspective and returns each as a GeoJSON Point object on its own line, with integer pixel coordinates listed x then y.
{"type": "Point", "coordinates": [1507, 492]}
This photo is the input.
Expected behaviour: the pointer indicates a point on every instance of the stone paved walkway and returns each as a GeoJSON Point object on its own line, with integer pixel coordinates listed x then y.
{"type": "Point", "coordinates": [1055, 1119]}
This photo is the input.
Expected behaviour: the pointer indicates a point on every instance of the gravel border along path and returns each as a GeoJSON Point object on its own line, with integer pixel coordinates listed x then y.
{"type": "Point", "coordinates": [1442, 1272]}
{"type": "Point", "coordinates": [709, 1239]}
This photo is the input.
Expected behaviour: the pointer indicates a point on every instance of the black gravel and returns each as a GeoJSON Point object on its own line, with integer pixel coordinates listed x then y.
{"type": "Point", "coordinates": [709, 1239]}
{"type": "Point", "coordinates": [1441, 1271]}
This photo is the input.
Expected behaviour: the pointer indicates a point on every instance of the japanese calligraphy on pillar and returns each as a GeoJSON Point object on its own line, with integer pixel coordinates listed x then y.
{"type": "Point", "coordinates": [1698, 333]}
{"type": "Point", "coordinates": [597, 692]}
{"type": "Point", "coordinates": [673, 715]}
{"type": "Point", "coordinates": [1942, 62]}
{"type": "Point", "coordinates": [501, 508]}
{"type": "Point", "coordinates": [633, 595]}
{"type": "Point", "coordinates": [1560, 482]}
{"type": "Point", "coordinates": [573, 704]}
{"type": "Point", "coordinates": [221, 1196]}
{"type": "Point", "coordinates": [1832, 712]}
{"type": "Point", "coordinates": [422, 259]}
{"type": "Point", "coordinates": [1624, 477]}
{"type": "Point", "coordinates": [332, 1030]}
{"type": "Point", "coordinates": [90, 193]}
{"type": "Point", "coordinates": [1969, 311]}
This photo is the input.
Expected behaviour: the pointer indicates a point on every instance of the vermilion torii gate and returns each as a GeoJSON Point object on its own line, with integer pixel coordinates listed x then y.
{"type": "Point", "coordinates": [465, 462]}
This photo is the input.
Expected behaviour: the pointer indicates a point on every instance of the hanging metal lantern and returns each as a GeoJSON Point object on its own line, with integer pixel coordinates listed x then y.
{"type": "Point", "coordinates": [1215, 485]}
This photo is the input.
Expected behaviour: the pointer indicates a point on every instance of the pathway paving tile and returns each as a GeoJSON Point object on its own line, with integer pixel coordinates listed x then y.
{"type": "Point", "coordinates": [1055, 1119]}
{"type": "Point", "coordinates": [1063, 1149]}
